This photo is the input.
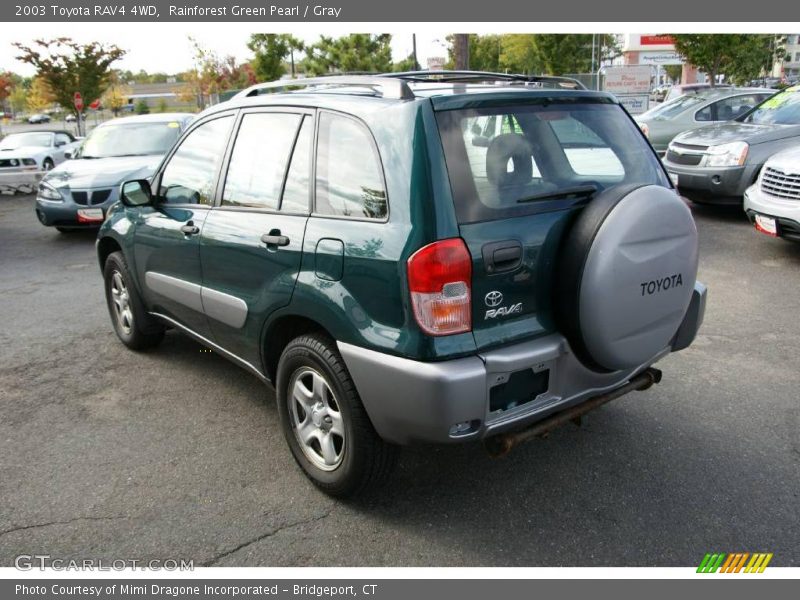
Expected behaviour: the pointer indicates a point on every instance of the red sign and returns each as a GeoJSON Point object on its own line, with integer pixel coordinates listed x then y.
{"type": "Point", "coordinates": [77, 100]}
{"type": "Point", "coordinates": [656, 40]}
{"type": "Point", "coordinates": [95, 105]}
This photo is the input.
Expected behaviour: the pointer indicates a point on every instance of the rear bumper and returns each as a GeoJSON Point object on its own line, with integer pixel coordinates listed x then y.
{"type": "Point", "coordinates": [447, 402]}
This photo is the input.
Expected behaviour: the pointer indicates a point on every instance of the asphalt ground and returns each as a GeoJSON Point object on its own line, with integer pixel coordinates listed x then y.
{"type": "Point", "coordinates": [177, 453]}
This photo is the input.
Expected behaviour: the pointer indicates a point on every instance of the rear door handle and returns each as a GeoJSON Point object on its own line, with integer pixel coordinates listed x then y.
{"type": "Point", "coordinates": [274, 238]}
{"type": "Point", "coordinates": [190, 228]}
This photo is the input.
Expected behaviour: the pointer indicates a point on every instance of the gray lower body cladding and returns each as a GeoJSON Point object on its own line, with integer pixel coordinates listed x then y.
{"type": "Point", "coordinates": [451, 401]}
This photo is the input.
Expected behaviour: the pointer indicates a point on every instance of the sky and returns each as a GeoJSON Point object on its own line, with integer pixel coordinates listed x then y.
{"type": "Point", "coordinates": [165, 47]}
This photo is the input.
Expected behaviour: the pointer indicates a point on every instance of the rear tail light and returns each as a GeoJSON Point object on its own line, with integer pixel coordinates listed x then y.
{"type": "Point", "coordinates": [440, 282]}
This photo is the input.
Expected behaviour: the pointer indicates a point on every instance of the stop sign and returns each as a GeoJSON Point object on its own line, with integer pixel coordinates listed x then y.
{"type": "Point", "coordinates": [77, 100]}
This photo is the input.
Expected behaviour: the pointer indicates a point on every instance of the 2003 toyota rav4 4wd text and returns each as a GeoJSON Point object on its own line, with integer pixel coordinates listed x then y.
{"type": "Point", "coordinates": [417, 258]}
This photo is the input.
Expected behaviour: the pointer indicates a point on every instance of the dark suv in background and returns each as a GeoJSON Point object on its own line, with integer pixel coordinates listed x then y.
{"type": "Point", "coordinates": [428, 257]}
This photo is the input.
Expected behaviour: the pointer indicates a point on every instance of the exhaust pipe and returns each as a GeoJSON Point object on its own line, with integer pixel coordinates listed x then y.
{"type": "Point", "coordinates": [501, 444]}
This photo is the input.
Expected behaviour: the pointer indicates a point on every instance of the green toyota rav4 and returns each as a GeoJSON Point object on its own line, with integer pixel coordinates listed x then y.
{"type": "Point", "coordinates": [425, 257]}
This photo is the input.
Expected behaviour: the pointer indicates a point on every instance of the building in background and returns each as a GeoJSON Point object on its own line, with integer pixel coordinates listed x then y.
{"type": "Point", "coordinates": [656, 51]}
{"type": "Point", "coordinates": [791, 66]}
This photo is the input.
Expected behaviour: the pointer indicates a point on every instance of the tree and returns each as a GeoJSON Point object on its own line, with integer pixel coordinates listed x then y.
{"type": "Point", "coordinates": [67, 67]}
{"type": "Point", "coordinates": [116, 95]}
{"type": "Point", "coordinates": [141, 108]}
{"type": "Point", "coordinates": [739, 56]}
{"type": "Point", "coordinates": [484, 52]}
{"type": "Point", "coordinates": [270, 49]}
{"type": "Point", "coordinates": [674, 72]}
{"type": "Point", "coordinates": [40, 97]}
{"type": "Point", "coordinates": [6, 86]}
{"type": "Point", "coordinates": [357, 52]}
{"type": "Point", "coordinates": [212, 75]}
{"type": "Point", "coordinates": [518, 54]}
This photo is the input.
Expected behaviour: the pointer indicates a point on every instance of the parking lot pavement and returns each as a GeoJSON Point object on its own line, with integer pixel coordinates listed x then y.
{"type": "Point", "coordinates": [177, 453]}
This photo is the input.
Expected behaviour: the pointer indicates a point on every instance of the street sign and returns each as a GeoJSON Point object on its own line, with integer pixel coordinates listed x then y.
{"type": "Point", "coordinates": [628, 80]}
{"type": "Point", "coordinates": [95, 105]}
{"type": "Point", "coordinates": [635, 104]}
{"type": "Point", "coordinates": [77, 100]}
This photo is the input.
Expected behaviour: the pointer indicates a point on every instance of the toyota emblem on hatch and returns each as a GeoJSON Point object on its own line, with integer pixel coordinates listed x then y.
{"type": "Point", "coordinates": [494, 298]}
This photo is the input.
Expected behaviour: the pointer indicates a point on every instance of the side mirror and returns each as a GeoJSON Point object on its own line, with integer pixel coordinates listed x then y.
{"type": "Point", "coordinates": [69, 154]}
{"type": "Point", "coordinates": [136, 193]}
{"type": "Point", "coordinates": [481, 141]}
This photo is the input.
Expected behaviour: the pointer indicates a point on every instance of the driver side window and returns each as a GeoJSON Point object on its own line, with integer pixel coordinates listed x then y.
{"type": "Point", "coordinates": [190, 173]}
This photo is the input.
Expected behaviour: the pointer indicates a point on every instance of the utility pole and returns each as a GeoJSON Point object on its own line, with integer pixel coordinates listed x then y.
{"type": "Point", "coordinates": [414, 51]}
{"type": "Point", "coordinates": [461, 51]}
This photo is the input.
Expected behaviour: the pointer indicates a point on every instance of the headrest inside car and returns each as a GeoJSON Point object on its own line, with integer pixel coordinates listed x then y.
{"type": "Point", "coordinates": [508, 161]}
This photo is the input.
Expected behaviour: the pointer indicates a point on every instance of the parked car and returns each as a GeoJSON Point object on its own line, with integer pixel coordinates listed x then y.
{"type": "Point", "coordinates": [35, 150]}
{"type": "Point", "coordinates": [38, 119]}
{"type": "Point", "coordinates": [78, 193]}
{"type": "Point", "coordinates": [659, 93]}
{"type": "Point", "coordinates": [691, 88]}
{"type": "Point", "coordinates": [719, 162]}
{"type": "Point", "coordinates": [344, 243]}
{"type": "Point", "coordinates": [662, 123]}
{"type": "Point", "coordinates": [772, 203]}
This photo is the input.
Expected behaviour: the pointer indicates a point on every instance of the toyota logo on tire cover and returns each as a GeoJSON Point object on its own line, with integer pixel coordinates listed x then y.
{"type": "Point", "coordinates": [493, 299]}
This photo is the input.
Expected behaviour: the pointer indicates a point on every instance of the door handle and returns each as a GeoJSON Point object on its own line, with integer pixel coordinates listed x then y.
{"type": "Point", "coordinates": [190, 229]}
{"type": "Point", "coordinates": [274, 238]}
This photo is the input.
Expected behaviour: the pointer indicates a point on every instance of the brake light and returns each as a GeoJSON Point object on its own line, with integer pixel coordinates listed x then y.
{"type": "Point", "coordinates": [440, 281]}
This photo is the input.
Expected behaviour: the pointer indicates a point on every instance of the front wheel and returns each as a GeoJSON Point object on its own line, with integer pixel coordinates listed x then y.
{"type": "Point", "coordinates": [324, 421]}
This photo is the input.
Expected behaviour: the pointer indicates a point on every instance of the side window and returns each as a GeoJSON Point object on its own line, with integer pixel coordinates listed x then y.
{"type": "Point", "coordinates": [705, 114]}
{"type": "Point", "coordinates": [349, 179]}
{"type": "Point", "coordinates": [259, 159]}
{"type": "Point", "coordinates": [62, 139]}
{"type": "Point", "coordinates": [298, 180]}
{"type": "Point", "coordinates": [189, 175]}
{"type": "Point", "coordinates": [736, 106]}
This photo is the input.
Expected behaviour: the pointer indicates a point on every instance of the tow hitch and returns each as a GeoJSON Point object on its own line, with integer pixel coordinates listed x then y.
{"type": "Point", "coordinates": [500, 445]}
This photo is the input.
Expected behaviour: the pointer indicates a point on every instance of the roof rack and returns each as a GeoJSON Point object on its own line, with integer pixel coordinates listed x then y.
{"type": "Point", "coordinates": [484, 76]}
{"type": "Point", "coordinates": [388, 87]}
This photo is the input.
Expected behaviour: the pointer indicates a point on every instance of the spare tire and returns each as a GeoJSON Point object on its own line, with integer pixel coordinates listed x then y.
{"type": "Point", "coordinates": [625, 276]}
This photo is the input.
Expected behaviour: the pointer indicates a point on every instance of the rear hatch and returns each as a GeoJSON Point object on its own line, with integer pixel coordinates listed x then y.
{"type": "Point", "coordinates": [520, 167]}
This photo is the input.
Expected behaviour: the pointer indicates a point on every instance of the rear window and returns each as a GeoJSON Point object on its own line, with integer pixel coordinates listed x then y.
{"type": "Point", "coordinates": [510, 161]}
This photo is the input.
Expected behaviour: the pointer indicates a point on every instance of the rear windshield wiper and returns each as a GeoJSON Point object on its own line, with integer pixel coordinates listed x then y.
{"type": "Point", "coordinates": [578, 191]}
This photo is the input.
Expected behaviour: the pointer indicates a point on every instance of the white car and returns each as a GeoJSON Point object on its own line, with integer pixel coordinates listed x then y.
{"type": "Point", "coordinates": [772, 203]}
{"type": "Point", "coordinates": [35, 150]}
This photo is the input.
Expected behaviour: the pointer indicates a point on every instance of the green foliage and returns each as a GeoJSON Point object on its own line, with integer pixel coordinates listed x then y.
{"type": "Point", "coordinates": [674, 72]}
{"type": "Point", "coordinates": [553, 54]}
{"type": "Point", "coordinates": [271, 49]}
{"type": "Point", "coordinates": [739, 56]}
{"type": "Point", "coordinates": [68, 67]}
{"type": "Point", "coordinates": [357, 52]}
{"type": "Point", "coordinates": [141, 108]}
{"type": "Point", "coordinates": [162, 106]}
{"type": "Point", "coordinates": [407, 64]}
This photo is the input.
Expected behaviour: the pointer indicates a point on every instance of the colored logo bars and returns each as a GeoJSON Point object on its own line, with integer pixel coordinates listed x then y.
{"type": "Point", "coordinates": [735, 563]}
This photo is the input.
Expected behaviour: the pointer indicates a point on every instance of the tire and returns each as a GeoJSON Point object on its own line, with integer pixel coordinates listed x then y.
{"type": "Point", "coordinates": [625, 280]}
{"type": "Point", "coordinates": [133, 326]}
{"type": "Point", "coordinates": [48, 164]}
{"type": "Point", "coordinates": [355, 459]}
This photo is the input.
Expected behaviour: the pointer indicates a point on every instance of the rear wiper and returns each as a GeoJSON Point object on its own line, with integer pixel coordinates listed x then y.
{"type": "Point", "coordinates": [578, 191]}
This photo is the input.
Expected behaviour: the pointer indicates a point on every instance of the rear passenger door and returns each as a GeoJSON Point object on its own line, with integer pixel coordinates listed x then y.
{"type": "Point", "coordinates": [252, 240]}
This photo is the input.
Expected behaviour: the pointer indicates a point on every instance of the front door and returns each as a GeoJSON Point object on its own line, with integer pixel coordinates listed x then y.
{"type": "Point", "coordinates": [167, 248]}
{"type": "Point", "coordinates": [252, 242]}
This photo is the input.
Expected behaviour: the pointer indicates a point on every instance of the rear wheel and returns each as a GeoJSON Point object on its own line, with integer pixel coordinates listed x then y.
{"type": "Point", "coordinates": [134, 327]}
{"type": "Point", "coordinates": [324, 422]}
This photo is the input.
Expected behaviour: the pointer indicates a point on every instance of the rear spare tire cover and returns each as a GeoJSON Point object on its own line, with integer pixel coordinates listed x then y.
{"type": "Point", "coordinates": [626, 274]}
